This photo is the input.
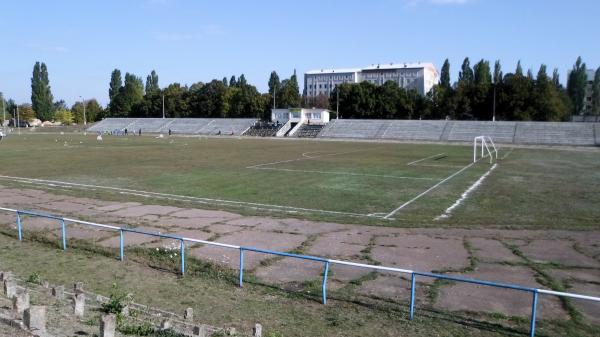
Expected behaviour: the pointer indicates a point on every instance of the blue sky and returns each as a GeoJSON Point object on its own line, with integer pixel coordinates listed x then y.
{"type": "Point", "coordinates": [190, 41]}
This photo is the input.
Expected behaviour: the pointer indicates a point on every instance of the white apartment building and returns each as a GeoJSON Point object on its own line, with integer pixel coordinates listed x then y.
{"type": "Point", "coordinates": [416, 76]}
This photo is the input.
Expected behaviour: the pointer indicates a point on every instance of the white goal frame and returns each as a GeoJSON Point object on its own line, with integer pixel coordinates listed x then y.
{"type": "Point", "coordinates": [488, 148]}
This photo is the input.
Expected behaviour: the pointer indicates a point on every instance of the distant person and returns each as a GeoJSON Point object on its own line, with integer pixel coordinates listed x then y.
{"type": "Point", "coordinates": [219, 133]}
{"type": "Point", "coordinates": [1, 135]}
{"type": "Point", "coordinates": [170, 133]}
{"type": "Point", "coordinates": [140, 132]}
{"type": "Point", "coordinates": [125, 132]}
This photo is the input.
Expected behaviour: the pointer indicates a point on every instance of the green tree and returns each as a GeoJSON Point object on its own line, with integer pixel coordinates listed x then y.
{"type": "Point", "coordinates": [115, 84]}
{"type": "Point", "coordinates": [41, 95]}
{"type": "Point", "coordinates": [290, 96]}
{"type": "Point", "coordinates": [26, 113]}
{"type": "Point", "coordinates": [274, 87]}
{"type": "Point", "coordinates": [445, 75]}
{"type": "Point", "coordinates": [497, 73]}
{"type": "Point", "coordinates": [576, 86]}
{"type": "Point", "coordinates": [63, 116]}
{"type": "Point", "coordinates": [93, 111]}
{"type": "Point", "coordinates": [152, 83]}
{"type": "Point", "coordinates": [466, 73]}
{"type": "Point", "coordinates": [519, 70]}
{"type": "Point", "coordinates": [596, 93]}
{"type": "Point", "coordinates": [232, 81]}
{"type": "Point", "coordinates": [225, 82]}
{"type": "Point", "coordinates": [556, 79]}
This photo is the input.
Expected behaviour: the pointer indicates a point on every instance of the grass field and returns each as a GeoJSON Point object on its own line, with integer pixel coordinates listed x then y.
{"type": "Point", "coordinates": [358, 182]}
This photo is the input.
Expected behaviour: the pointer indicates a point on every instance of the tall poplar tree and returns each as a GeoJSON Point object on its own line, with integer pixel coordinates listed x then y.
{"type": "Point", "coordinates": [41, 95]}
{"type": "Point", "coordinates": [466, 73]}
{"type": "Point", "coordinates": [596, 93]}
{"type": "Point", "coordinates": [152, 83]}
{"type": "Point", "coordinates": [576, 85]}
{"type": "Point", "coordinates": [445, 75]}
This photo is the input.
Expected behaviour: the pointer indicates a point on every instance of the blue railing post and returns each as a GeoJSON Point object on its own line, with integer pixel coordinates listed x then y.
{"type": "Point", "coordinates": [182, 249]}
{"type": "Point", "coordinates": [533, 313]}
{"type": "Point", "coordinates": [412, 295]}
{"type": "Point", "coordinates": [19, 226]}
{"type": "Point", "coordinates": [324, 286]}
{"type": "Point", "coordinates": [241, 267]}
{"type": "Point", "coordinates": [64, 234]}
{"type": "Point", "coordinates": [121, 239]}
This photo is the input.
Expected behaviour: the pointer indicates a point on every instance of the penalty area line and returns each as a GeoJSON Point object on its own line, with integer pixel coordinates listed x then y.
{"type": "Point", "coordinates": [465, 194]}
{"type": "Point", "coordinates": [420, 160]}
{"type": "Point", "coordinates": [176, 197]}
{"type": "Point", "coordinates": [390, 214]}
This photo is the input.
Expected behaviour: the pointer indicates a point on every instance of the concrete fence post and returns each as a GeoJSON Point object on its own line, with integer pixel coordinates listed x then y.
{"type": "Point", "coordinates": [79, 305]}
{"type": "Point", "coordinates": [108, 325]}
{"type": "Point", "coordinates": [20, 302]}
{"type": "Point", "coordinates": [10, 288]}
{"type": "Point", "coordinates": [35, 318]}
{"type": "Point", "coordinates": [188, 315]}
{"type": "Point", "coordinates": [200, 331]}
{"type": "Point", "coordinates": [58, 292]}
{"type": "Point", "coordinates": [257, 330]}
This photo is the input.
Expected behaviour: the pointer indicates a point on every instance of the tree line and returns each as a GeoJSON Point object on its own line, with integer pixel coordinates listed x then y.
{"type": "Point", "coordinates": [479, 93]}
{"type": "Point", "coordinates": [229, 98]}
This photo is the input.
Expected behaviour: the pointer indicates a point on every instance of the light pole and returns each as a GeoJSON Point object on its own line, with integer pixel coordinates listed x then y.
{"type": "Point", "coordinates": [83, 102]}
{"type": "Point", "coordinates": [494, 109]}
{"type": "Point", "coordinates": [163, 105]}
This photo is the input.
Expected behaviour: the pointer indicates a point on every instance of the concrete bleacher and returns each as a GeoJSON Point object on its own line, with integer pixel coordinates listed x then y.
{"type": "Point", "coordinates": [414, 130]}
{"type": "Point", "coordinates": [147, 124]}
{"type": "Point", "coordinates": [464, 131]}
{"type": "Point", "coordinates": [545, 133]}
{"type": "Point", "coordinates": [354, 128]}
{"type": "Point", "coordinates": [202, 126]}
{"type": "Point", "coordinates": [309, 130]}
{"type": "Point", "coordinates": [554, 133]}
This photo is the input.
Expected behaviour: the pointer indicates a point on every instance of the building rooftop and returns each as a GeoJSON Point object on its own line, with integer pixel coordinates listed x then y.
{"type": "Point", "coordinates": [329, 71]}
{"type": "Point", "coordinates": [417, 65]}
{"type": "Point", "coordinates": [392, 65]}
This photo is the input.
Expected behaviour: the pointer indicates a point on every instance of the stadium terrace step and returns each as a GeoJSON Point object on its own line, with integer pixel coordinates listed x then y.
{"type": "Point", "coordinates": [309, 130]}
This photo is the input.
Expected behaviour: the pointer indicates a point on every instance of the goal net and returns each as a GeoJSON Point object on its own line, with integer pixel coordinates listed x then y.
{"type": "Point", "coordinates": [483, 146]}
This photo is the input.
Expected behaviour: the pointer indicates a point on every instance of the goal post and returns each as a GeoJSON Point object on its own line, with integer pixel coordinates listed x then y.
{"type": "Point", "coordinates": [485, 147]}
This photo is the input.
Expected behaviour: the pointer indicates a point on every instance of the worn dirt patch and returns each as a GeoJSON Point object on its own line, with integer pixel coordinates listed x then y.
{"type": "Point", "coordinates": [137, 211]}
{"type": "Point", "coordinates": [557, 251]}
{"type": "Point", "coordinates": [589, 309]}
{"type": "Point", "coordinates": [489, 250]}
{"type": "Point", "coordinates": [469, 297]}
{"type": "Point", "coordinates": [249, 238]}
{"type": "Point", "coordinates": [117, 206]}
{"type": "Point", "coordinates": [421, 252]}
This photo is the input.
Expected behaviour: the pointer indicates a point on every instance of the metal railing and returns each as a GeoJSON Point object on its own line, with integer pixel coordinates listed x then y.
{"type": "Point", "coordinates": [326, 262]}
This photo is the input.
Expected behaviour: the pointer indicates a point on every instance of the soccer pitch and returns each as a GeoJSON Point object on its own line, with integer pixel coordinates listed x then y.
{"type": "Point", "coordinates": [390, 184]}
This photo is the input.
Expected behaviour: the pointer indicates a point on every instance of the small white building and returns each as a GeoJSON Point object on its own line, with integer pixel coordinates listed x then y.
{"type": "Point", "coordinates": [300, 115]}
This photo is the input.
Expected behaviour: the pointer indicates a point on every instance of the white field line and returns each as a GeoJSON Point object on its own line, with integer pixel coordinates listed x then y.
{"type": "Point", "coordinates": [302, 158]}
{"type": "Point", "coordinates": [420, 160]}
{"type": "Point", "coordinates": [390, 214]}
{"type": "Point", "coordinates": [440, 165]}
{"type": "Point", "coordinates": [508, 153]}
{"type": "Point", "coordinates": [342, 173]}
{"type": "Point", "coordinates": [168, 196]}
{"type": "Point", "coordinates": [465, 194]}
